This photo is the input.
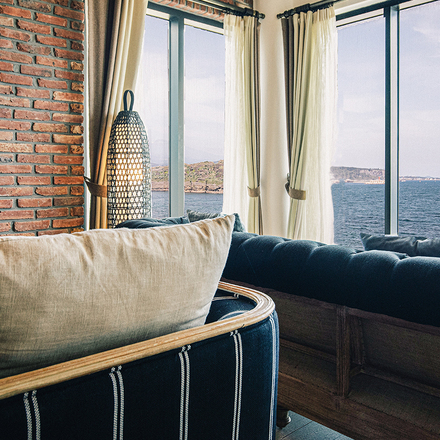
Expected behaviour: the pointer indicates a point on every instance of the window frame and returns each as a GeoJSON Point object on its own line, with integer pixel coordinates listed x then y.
{"type": "Point", "coordinates": [176, 114]}
{"type": "Point", "coordinates": [390, 10]}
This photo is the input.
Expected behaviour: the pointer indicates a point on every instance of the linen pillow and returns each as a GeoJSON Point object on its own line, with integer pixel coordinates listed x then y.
{"type": "Point", "coordinates": [411, 245]}
{"type": "Point", "coordinates": [71, 295]}
{"type": "Point", "coordinates": [195, 216]}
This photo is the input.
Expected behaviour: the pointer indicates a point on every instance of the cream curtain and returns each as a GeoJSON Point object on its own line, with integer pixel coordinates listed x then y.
{"type": "Point", "coordinates": [241, 180]}
{"type": "Point", "coordinates": [310, 50]}
{"type": "Point", "coordinates": [124, 56]}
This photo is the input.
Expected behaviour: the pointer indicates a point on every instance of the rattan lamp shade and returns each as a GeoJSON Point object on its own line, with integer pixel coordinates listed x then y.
{"type": "Point", "coordinates": [128, 168]}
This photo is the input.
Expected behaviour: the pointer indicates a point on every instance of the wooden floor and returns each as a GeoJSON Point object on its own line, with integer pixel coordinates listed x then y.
{"type": "Point", "coordinates": [301, 428]}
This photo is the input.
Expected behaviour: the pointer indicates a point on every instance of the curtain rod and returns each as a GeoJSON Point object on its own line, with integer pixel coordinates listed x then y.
{"type": "Point", "coordinates": [307, 7]}
{"type": "Point", "coordinates": [231, 9]}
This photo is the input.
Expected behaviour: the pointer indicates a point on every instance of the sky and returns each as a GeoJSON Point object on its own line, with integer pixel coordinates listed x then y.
{"type": "Point", "coordinates": [361, 71]}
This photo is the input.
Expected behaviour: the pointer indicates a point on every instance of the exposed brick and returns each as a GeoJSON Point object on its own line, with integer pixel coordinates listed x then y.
{"type": "Point", "coordinates": [71, 160]}
{"type": "Point", "coordinates": [7, 21]}
{"type": "Point", "coordinates": [67, 223]}
{"type": "Point", "coordinates": [16, 12]}
{"type": "Point", "coordinates": [30, 114]}
{"type": "Point", "coordinates": [50, 128]}
{"type": "Point", "coordinates": [55, 212]}
{"type": "Point", "coordinates": [65, 74]}
{"type": "Point", "coordinates": [31, 226]}
{"type": "Point", "coordinates": [53, 232]}
{"type": "Point", "coordinates": [62, 117]}
{"type": "Point", "coordinates": [52, 191]}
{"type": "Point", "coordinates": [17, 57]}
{"type": "Point", "coordinates": [75, 45]}
{"type": "Point", "coordinates": [52, 83]}
{"type": "Point", "coordinates": [15, 102]}
{"type": "Point", "coordinates": [57, 21]}
{"type": "Point", "coordinates": [34, 203]}
{"type": "Point", "coordinates": [77, 190]}
{"type": "Point", "coordinates": [4, 227]}
{"type": "Point", "coordinates": [68, 13]}
{"type": "Point", "coordinates": [60, 149]}
{"type": "Point", "coordinates": [14, 35]}
{"type": "Point", "coordinates": [15, 169]}
{"type": "Point", "coordinates": [33, 137]}
{"type": "Point", "coordinates": [6, 135]}
{"type": "Point", "coordinates": [68, 139]}
{"type": "Point", "coordinates": [33, 27]}
{"type": "Point", "coordinates": [79, 6]}
{"type": "Point", "coordinates": [34, 49]}
{"type": "Point", "coordinates": [36, 6]}
{"type": "Point", "coordinates": [14, 125]}
{"type": "Point", "coordinates": [50, 169]}
{"type": "Point", "coordinates": [32, 158]}
{"type": "Point", "coordinates": [5, 90]}
{"type": "Point", "coordinates": [11, 215]}
{"type": "Point", "coordinates": [7, 113]}
{"type": "Point", "coordinates": [77, 87]}
{"type": "Point", "coordinates": [77, 25]}
{"type": "Point", "coordinates": [77, 211]}
{"type": "Point", "coordinates": [68, 180]}
{"type": "Point", "coordinates": [76, 129]}
{"type": "Point", "coordinates": [15, 79]}
{"type": "Point", "coordinates": [63, 64]}
{"type": "Point", "coordinates": [77, 230]}
{"type": "Point", "coordinates": [77, 171]}
{"type": "Point", "coordinates": [6, 158]}
{"type": "Point", "coordinates": [58, 2]}
{"type": "Point", "coordinates": [68, 54]}
{"type": "Point", "coordinates": [16, 191]}
{"type": "Point", "coordinates": [36, 71]}
{"type": "Point", "coordinates": [24, 234]}
{"type": "Point", "coordinates": [16, 148]}
{"type": "Point", "coordinates": [63, 96]}
{"type": "Point", "coordinates": [49, 105]}
{"type": "Point", "coordinates": [68, 201]}
{"type": "Point", "coordinates": [70, 35]}
{"type": "Point", "coordinates": [77, 108]}
{"type": "Point", "coordinates": [50, 41]}
{"type": "Point", "coordinates": [6, 180]}
{"type": "Point", "coordinates": [6, 44]}
{"type": "Point", "coordinates": [6, 203]}
{"type": "Point", "coordinates": [34, 180]}
{"type": "Point", "coordinates": [33, 93]}
{"type": "Point", "coordinates": [7, 67]}
{"type": "Point", "coordinates": [76, 66]}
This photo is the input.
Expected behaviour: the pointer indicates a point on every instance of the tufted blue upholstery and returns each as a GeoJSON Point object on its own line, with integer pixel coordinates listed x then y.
{"type": "Point", "coordinates": [376, 281]}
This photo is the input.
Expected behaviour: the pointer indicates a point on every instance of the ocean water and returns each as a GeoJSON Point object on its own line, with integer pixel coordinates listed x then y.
{"type": "Point", "coordinates": [357, 208]}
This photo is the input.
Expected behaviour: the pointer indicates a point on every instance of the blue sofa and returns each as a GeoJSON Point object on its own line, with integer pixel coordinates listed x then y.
{"type": "Point", "coordinates": [359, 333]}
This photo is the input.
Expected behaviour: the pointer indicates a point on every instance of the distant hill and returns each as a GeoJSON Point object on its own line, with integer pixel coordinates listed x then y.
{"type": "Point", "coordinates": [356, 174]}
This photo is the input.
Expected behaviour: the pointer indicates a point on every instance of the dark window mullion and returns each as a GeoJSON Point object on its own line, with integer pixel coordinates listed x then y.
{"type": "Point", "coordinates": [392, 120]}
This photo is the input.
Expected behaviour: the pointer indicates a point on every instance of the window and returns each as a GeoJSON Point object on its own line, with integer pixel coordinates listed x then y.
{"type": "Point", "coordinates": [386, 168]}
{"type": "Point", "coordinates": [181, 85]}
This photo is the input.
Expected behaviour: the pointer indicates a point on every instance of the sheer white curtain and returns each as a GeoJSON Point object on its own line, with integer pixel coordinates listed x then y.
{"type": "Point", "coordinates": [126, 35]}
{"type": "Point", "coordinates": [310, 47]}
{"type": "Point", "coordinates": [241, 181]}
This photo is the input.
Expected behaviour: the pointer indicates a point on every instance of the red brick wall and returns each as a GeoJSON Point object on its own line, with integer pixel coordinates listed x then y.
{"type": "Point", "coordinates": [41, 106]}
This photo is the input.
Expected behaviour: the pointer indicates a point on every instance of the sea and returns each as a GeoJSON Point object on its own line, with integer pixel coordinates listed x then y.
{"type": "Point", "coordinates": [358, 207]}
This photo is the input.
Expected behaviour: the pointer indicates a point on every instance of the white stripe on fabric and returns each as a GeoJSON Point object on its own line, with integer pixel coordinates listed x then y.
{"type": "Point", "coordinates": [118, 403]}
{"type": "Point", "coordinates": [238, 383]}
{"type": "Point", "coordinates": [27, 408]}
{"type": "Point", "coordinates": [231, 314]}
{"type": "Point", "coordinates": [184, 391]}
{"type": "Point", "coordinates": [274, 372]}
{"type": "Point", "coordinates": [37, 416]}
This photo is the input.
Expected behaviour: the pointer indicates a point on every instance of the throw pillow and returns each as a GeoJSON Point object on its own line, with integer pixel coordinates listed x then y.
{"type": "Point", "coordinates": [194, 216]}
{"type": "Point", "coordinates": [152, 222]}
{"type": "Point", "coordinates": [71, 295]}
{"type": "Point", "coordinates": [411, 245]}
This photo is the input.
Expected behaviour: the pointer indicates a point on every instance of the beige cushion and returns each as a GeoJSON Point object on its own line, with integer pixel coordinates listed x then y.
{"type": "Point", "coordinates": [70, 295]}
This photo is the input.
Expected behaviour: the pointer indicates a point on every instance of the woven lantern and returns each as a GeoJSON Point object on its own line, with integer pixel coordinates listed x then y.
{"type": "Point", "coordinates": [128, 168]}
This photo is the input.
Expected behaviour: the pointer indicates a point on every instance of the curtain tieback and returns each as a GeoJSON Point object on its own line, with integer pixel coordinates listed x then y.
{"type": "Point", "coordinates": [254, 192]}
{"type": "Point", "coordinates": [96, 189]}
{"type": "Point", "coordinates": [298, 194]}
